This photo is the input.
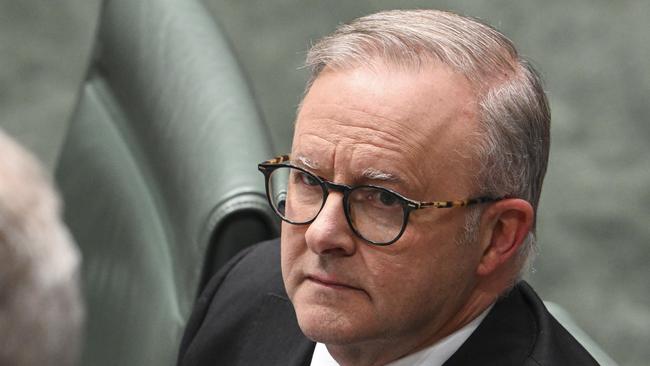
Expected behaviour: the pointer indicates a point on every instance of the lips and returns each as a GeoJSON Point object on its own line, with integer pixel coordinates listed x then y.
{"type": "Point", "coordinates": [331, 283]}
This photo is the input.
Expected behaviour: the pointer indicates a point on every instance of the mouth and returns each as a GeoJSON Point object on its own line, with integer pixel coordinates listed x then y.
{"type": "Point", "coordinates": [330, 283]}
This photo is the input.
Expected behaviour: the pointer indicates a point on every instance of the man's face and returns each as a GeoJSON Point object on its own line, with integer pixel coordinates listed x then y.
{"type": "Point", "coordinates": [407, 131]}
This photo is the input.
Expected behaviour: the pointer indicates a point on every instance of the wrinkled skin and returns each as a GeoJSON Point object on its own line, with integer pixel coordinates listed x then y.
{"type": "Point", "coordinates": [372, 304]}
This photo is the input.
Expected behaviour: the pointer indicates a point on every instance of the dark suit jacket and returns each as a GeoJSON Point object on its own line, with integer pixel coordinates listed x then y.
{"type": "Point", "coordinates": [245, 318]}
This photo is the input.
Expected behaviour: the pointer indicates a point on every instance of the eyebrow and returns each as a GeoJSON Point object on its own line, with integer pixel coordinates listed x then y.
{"type": "Point", "coordinates": [305, 162]}
{"type": "Point", "coordinates": [368, 173]}
{"type": "Point", "coordinates": [376, 174]}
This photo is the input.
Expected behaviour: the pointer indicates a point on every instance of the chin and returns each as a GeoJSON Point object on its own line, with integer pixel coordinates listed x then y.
{"type": "Point", "coordinates": [330, 326]}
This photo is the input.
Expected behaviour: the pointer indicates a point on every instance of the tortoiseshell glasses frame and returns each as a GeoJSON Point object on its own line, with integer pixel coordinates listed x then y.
{"type": "Point", "coordinates": [407, 204]}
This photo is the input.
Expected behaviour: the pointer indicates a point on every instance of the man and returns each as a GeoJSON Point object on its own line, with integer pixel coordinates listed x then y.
{"type": "Point", "coordinates": [40, 305]}
{"type": "Point", "coordinates": [408, 202]}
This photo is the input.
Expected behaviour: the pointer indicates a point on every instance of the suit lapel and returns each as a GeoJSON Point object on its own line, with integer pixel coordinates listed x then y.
{"type": "Point", "coordinates": [275, 338]}
{"type": "Point", "coordinates": [505, 337]}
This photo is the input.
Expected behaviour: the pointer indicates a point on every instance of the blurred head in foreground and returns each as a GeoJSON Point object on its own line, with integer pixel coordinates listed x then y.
{"type": "Point", "coordinates": [40, 304]}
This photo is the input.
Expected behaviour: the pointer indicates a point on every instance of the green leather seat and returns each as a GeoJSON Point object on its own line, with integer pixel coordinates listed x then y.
{"type": "Point", "coordinates": [158, 175]}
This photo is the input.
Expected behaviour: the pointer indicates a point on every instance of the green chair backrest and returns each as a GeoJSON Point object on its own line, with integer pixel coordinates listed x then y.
{"type": "Point", "coordinates": [158, 175]}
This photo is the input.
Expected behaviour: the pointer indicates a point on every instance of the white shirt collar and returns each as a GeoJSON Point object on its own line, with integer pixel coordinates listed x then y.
{"type": "Point", "coordinates": [434, 355]}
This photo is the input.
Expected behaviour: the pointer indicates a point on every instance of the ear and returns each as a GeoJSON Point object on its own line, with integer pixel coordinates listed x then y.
{"type": "Point", "coordinates": [504, 226]}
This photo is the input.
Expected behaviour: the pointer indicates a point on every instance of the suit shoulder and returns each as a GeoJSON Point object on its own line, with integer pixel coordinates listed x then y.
{"type": "Point", "coordinates": [256, 271]}
{"type": "Point", "coordinates": [519, 330]}
{"type": "Point", "coordinates": [554, 344]}
{"type": "Point", "coordinates": [235, 293]}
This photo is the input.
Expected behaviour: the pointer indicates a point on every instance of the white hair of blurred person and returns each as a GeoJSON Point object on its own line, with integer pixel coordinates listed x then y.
{"type": "Point", "coordinates": [41, 310]}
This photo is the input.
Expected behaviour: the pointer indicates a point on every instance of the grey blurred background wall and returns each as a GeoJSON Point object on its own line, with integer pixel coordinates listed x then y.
{"type": "Point", "coordinates": [594, 225]}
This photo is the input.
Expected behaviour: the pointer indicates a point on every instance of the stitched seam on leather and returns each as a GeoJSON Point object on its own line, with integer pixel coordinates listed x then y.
{"type": "Point", "coordinates": [246, 199]}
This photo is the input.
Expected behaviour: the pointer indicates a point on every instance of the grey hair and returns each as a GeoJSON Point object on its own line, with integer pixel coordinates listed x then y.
{"type": "Point", "coordinates": [41, 309]}
{"type": "Point", "coordinates": [514, 117]}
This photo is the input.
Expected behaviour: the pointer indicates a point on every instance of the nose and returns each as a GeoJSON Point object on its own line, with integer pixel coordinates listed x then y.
{"type": "Point", "coordinates": [329, 233]}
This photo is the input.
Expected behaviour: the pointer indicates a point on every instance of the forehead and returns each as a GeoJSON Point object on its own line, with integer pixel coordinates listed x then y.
{"type": "Point", "coordinates": [400, 122]}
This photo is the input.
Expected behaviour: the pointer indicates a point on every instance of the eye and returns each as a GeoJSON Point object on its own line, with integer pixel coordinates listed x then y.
{"type": "Point", "coordinates": [376, 197]}
{"type": "Point", "coordinates": [307, 179]}
{"type": "Point", "coordinates": [387, 199]}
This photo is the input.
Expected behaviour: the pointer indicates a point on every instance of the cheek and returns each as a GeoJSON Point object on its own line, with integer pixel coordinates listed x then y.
{"type": "Point", "coordinates": [405, 293]}
{"type": "Point", "coordinates": [418, 269]}
{"type": "Point", "coordinates": [418, 288]}
{"type": "Point", "coordinates": [396, 272]}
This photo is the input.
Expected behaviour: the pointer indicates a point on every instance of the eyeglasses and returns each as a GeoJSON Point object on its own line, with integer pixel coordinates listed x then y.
{"type": "Point", "coordinates": [378, 215]}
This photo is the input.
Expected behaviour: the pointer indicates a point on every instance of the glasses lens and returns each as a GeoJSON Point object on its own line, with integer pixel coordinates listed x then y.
{"type": "Point", "coordinates": [376, 214]}
{"type": "Point", "coordinates": [297, 196]}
